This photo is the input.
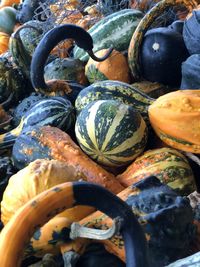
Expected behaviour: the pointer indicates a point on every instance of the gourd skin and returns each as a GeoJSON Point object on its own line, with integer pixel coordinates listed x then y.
{"type": "Point", "coordinates": [167, 164]}
{"type": "Point", "coordinates": [162, 52]}
{"type": "Point", "coordinates": [111, 133]}
{"type": "Point", "coordinates": [164, 216]}
{"type": "Point", "coordinates": [47, 204]}
{"type": "Point", "coordinates": [180, 110]}
{"type": "Point", "coordinates": [52, 143]}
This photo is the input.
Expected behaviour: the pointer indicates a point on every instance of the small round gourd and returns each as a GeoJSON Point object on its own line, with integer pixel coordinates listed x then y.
{"type": "Point", "coordinates": [115, 67]}
{"type": "Point", "coordinates": [111, 133]}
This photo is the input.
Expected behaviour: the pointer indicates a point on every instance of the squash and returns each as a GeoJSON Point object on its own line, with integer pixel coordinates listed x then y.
{"type": "Point", "coordinates": [162, 52]}
{"type": "Point", "coordinates": [45, 205]}
{"type": "Point", "coordinates": [7, 19]}
{"type": "Point", "coordinates": [4, 41]}
{"type": "Point", "coordinates": [66, 69]}
{"type": "Point", "coordinates": [190, 73]}
{"type": "Point", "coordinates": [55, 111]}
{"type": "Point", "coordinates": [144, 25]}
{"type": "Point", "coordinates": [99, 71]}
{"type": "Point", "coordinates": [115, 90]}
{"type": "Point", "coordinates": [181, 112]}
{"type": "Point", "coordinates": [111, 133]}
{"type": "Point", "coordinates": [52, 143]}
{"type": "Point", "coordinates": [105, 33]}
{"type": "Point", "coordinates": [163, 215]}
{"type": "Point", "coordinates": [167, 164]}
{"type": "Point", "coordinates": [23, 42]}
{"type": "Point", "coordinates": [192, 261]}
{"type": "Point", "coordinates": [37, 177]}
{"type": "Point", "coordinates": [49, 41]}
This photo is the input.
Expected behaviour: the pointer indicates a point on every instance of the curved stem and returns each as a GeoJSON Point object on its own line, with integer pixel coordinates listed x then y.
{"type": "Point", "coordinates": [91, 54]}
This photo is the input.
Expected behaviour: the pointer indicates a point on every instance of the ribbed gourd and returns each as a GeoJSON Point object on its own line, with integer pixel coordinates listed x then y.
{"type": "Point", "coordinates": [168, 165]}
{"type": "Point", "coordinates": [110, 132]}
{"type": "Point", "coordinates": [115, 90]}
{"type": "Point", "coordinates": [175, 118]}
{"type": "Point", "coordinates": [54, 111]}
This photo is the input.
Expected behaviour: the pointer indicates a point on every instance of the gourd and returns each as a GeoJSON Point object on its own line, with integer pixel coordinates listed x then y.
{"type": "Point", "coordinates": [66, 69]}
{"type": "Point", "coordinates": [55, 111]}
{"type": "Point", "coordinates": [52, 143]}
{"type": "Point", "coordinates": [37, 177]}
{"type": "Point", "coordinates": [23, 42]}
{"type": "Point", "coordinates": [49, 41]}
{"type": "Point", "coordinates": [162, 52]}
{"type": "Point", "coordinates": [193, 261]}
{"type": "Point", "coordinates": [99, 71]}
{"type": "Point", "coordinates": [115, 90]}
{"type": "Point", "coordinates": [145, 23]}
{"type": "Point", "coordinates": [4, 40]}
{"type": "Point", "coordinates": [168, 165]}
{"type": "Point", "coordinates": [7, 19]}
{"type": "Point", "coordinates": [45, 205]}
{"type": "Point", "coordinates": [111, 133]}
{"type": "Point", "coordinates": [8, 3]}
{"type": "Point", "coordinates": [13, 84]}
{"type": "Point", "coordinates": [113, 30]}
{"type": "Point", "coordinates": [163, 215]}
{"type": "Point", "coordinates": [180, 110]}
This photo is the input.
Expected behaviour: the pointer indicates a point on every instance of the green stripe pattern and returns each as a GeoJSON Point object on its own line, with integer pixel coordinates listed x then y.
{"type": "Point", "coordinates": [111, 133]}
{"type": "Point", "coordinates": [114, 30]}
{"type": "Point", "coordinates": [115, 90]}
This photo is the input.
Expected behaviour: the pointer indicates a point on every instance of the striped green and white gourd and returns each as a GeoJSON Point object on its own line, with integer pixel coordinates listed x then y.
{"type": "Point", "coordinates": [113, 30]}
{"type": "Point", "coordinates": [111, 133]}
{"type": "Point", "coordinates": [115, 90]}
{"type": "Point", "coordinates": [54, 111]}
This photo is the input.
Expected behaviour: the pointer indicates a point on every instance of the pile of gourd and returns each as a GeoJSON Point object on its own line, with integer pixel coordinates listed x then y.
{"type": "Point", "coordinates": [93, 105]}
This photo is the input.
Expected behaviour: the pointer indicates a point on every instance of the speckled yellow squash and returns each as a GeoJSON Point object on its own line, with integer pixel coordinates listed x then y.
{"type": "Point", "coordinates": [167, 164]}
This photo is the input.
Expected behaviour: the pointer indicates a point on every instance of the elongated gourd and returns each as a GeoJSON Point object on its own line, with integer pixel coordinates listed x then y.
{"type": "Point", "coordinates": [63, 196]}
{"type": "Point", "coordinates": [52, 143]}
{"type": "Point", "coordinates": [49, 41]}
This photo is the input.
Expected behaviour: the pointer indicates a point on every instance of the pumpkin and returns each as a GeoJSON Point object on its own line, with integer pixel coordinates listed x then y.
{"type": "Point", "coordinates": [111, 133]}
{"type": "Point", "coordinates": [190, 72]}
{"type": "Point", "coordinates": [4, 41]}
{"type": "Point", "coordinates": [181, 112]}
{"type": "Point", "coordinates": [45, 205]}
{"type": "Point", "coordinates": [52, 143]}
{"type": "Point", "coordinates": [143, 27]}
{"type": "Point", "coordinates": [164, 216]}
{"type": "Point", "coordinates": [99, 71]}
{"type": "Point", "coordinates": [167, 164]}
{"type": "Point", "coordinates": [55, 111]}
{"type": "Point", "coordinates": [162, 52]}
{"type": "Point", "coordinates": [49, 41]}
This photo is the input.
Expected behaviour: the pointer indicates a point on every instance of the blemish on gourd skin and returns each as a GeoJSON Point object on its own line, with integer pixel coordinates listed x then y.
{"type": "Point", "coordinates": [34, 203]}
{"type": "Point", "coordinates": [56, 189]}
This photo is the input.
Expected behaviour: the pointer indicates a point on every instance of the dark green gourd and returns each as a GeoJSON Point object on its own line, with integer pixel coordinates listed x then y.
{"type": "Point", "coordinates": [54, 111]}
{"type": "Point", "coordinates": [162, 52]}
{"type": "Point", "coordinates": [49, 41]}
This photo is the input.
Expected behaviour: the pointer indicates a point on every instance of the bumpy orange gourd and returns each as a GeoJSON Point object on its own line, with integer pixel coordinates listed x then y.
{"type": "Point", "coordinates": [175, 117]}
